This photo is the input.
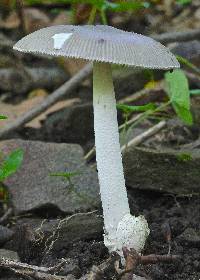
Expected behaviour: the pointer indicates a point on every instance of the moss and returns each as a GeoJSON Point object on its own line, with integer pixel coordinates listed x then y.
{"type": "Point", "coordinates": [184, 157]}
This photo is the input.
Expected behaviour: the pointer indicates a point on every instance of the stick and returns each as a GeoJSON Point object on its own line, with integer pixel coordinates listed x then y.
{"type": "Point", "coordinates": [5, 263]}
{"type": "Point", "coordinates": [6, 215]}
{"type": "Point", "coordinates": [171, 37]}
{"type": "Point", "coordinates": [133, 259]}
{"type": "Point", "coordinates": [58, 94]}
{"type": "Point", "coordinates": [37, 275]}
{"type": "Point", "coordinates": [135, 141]}
{"type": "Point", "coordinates": [143, 136]}
{"type": "Point", "coordinates": [141, 94]}
{"type": "Point", "coordinates": [40, 273]}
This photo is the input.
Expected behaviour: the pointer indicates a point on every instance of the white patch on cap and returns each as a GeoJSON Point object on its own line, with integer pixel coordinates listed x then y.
{"type": "Point", "coordinates": [59, 39]}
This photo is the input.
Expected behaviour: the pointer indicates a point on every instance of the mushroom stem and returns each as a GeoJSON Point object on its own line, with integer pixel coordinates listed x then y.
{"type": "Point", "coordinates": [108, 155]}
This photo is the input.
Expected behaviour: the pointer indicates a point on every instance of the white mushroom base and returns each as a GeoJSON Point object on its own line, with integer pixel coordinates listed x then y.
{"type": "Point", "coordinates": [132, 232]}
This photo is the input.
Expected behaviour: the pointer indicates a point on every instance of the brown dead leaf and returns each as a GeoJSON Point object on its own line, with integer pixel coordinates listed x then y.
{"type": "Point", "coordinates": [14, 111]}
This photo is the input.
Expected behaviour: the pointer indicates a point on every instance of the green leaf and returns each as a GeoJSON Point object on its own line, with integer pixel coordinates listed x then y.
{"type": "Point", "coordinates": [195, 91]}
{"type": "Point", "coordinates": [3, 117]}
{"type": "Point", "coordinates": [11, 164]}
{"type": "Point", "coordinates": [143, 108]}
{"type": "Point", "coordinates": [179, 94]}
{"type": "Point", "coordinates": [184, 2]}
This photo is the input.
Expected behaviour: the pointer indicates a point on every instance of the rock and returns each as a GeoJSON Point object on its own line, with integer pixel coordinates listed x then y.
{"type": "Point", "coordinates": [80, 226]}
{"type": "Point", "coordinates": [8, 254]}
{"type": "Point", "coordinates": [189, 50]}
{"type": "Point", "coordinates": [190, 237]}
{"type": "Point", "coordinates": [72, 125]}
{"type": "Point", "coordinates": [14, 81]}
{"type": "Point", "coordinates": [164, 170]}
{"type": "Point", "coordinates": [32, 187]}
{"type": "Point", "coordinates": [5, 42]}
{"type": "Point", "coordinates": [35, 19]}
{"type": "Point", "coordinates": [46, 77]}
{"type": "Point", "coordinates": [128, 80]}
{"type": "Point", "coordinates": [27, 78]}
{"type": "Point", "coordinates": [5, 234]}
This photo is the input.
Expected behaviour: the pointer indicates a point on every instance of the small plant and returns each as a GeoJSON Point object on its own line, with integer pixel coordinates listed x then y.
{"type": "Point", "coordinates": [9, 165]}
{"type": "Point", "coordinates": [68, 176]}
{"type": "Point", "coordinates": [177, 89]}
{"type": "Point", "coordinates": [2, 117]}
{"type": "Point", "coordinates": [184, 157]}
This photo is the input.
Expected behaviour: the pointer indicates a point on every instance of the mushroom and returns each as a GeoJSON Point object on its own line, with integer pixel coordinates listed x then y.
{"type": "Point", "coordinates": [105, 45]}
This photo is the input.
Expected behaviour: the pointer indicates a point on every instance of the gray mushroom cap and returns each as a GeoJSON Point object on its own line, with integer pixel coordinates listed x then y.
{"type": "Point", "coordinates": [99, 43]}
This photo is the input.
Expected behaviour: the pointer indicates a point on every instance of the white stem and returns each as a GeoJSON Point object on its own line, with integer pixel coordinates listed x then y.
{"type": "Point", "coordinates": [121, 229]}
{"type": "Point", "coordinates": [108, 154]}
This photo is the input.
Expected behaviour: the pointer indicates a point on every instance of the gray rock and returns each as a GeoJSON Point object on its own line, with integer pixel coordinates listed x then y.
{"type": "Point", "coordinates": [32, 187]}
{"type": "Point", "coordinates": [190, 237]}
{"type": "Point", "coordinates": [189, 50]}
{"type": "Point", "coordinates": [5, 234]}
{"type": "Point", "coordinates": [73, 125]}
{"type": "Point", "coordinates": [128, 80]}
{"type": "Point", "coordinates": [163, 170]}
{"type": "Point", "coordinates": [8, 254]}
{"type": "Point", "coordinates": [27, 78]}
{"type": "Point", "coordinates": [59, 232]}
{"type": "Point", "coordinates": [5, 42]}
{"type": "Point", "coordinates": [80, 226]}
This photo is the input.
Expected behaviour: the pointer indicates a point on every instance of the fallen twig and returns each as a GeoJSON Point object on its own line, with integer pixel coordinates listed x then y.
{"type": "Point", "coordinates": [58, 94]}
{"type": "Point", "coordinates": [193, 145]}
{"type": "Point", "coordinates": [143, 136]}
{"type": "Point", "coordinates": [133, 259]}
{"type": "Point", "coordinates": [146, 95]}
{"type": "Point", "coordinates": [135, 141]}
{"type": "Point", "coordinates": [37, 275]}
{"type": "Point", "coordinates": [6, 215]}
{"type": "Point", "coordinates": [182, 36]}
{"type": "Point", "coordinates": [5, 263]}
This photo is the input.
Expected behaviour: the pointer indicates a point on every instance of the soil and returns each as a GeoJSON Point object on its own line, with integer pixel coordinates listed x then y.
{"type": "Point", "coordinates": [160, 209]}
